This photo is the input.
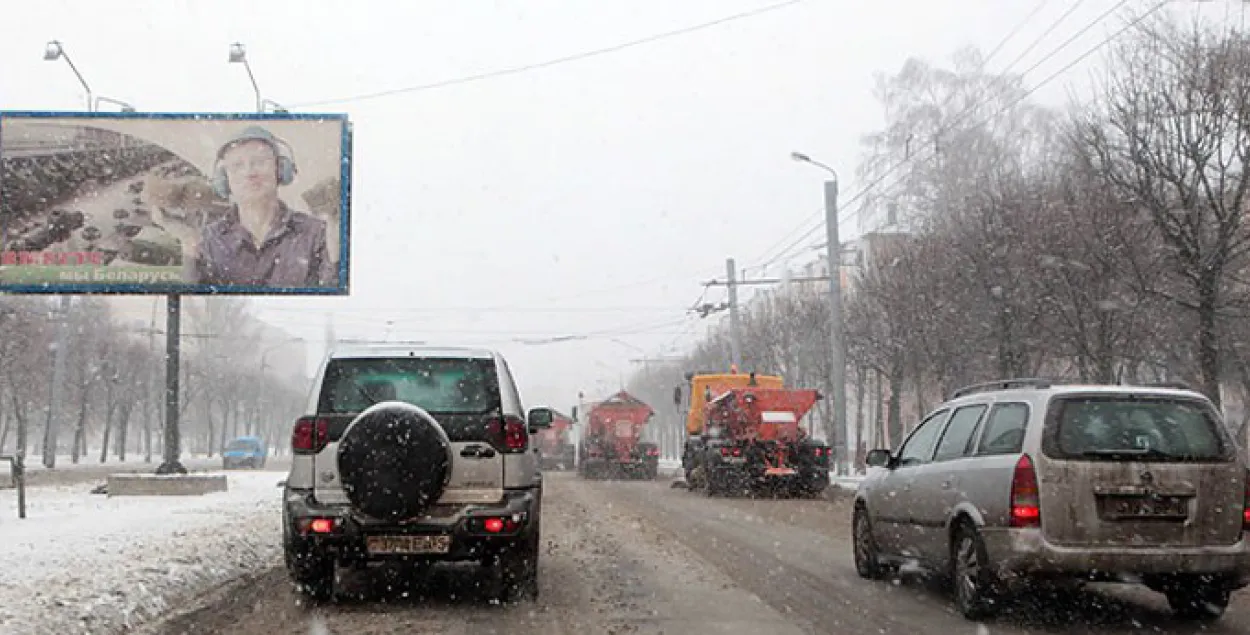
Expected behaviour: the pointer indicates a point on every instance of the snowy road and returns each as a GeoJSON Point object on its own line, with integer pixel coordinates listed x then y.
{"type": "Point", "coordinates": [644, 558]}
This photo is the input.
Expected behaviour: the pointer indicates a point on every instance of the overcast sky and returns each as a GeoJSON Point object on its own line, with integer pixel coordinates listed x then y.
{"type": "Point", "coordinates": [591, 196]}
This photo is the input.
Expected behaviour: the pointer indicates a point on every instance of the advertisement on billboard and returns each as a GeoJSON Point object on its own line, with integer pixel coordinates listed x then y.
{"type": "Point", "coordinates": [143, 203]}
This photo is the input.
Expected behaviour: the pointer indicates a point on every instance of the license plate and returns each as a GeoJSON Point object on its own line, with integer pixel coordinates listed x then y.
{"type": "Point", "coordinates": [1146, 507]}
{"type": "Point", "coordinates": [408, 545]}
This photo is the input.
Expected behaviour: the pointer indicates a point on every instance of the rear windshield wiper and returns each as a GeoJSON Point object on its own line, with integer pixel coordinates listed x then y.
{"type": "Point", "coordinates": [364, 393]}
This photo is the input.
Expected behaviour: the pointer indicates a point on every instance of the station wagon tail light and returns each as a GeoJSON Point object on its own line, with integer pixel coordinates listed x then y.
{"type": "Point", "coordinates": [1245, 509]}
{"type": "Point", "coordinates": [1026, 508]}
{"type": "Point", "coordinates": [310, 435]}
{"type": "Point", "coordinates": [508, 434]}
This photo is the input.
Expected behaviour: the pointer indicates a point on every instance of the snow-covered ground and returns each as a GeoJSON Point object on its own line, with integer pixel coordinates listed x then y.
{"type": "Point", "coordinates": [84, 563]}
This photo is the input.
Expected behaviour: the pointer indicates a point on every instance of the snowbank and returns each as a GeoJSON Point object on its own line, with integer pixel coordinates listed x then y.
{"type": "Point", "coordinates": [34, 463]}
{"type": "Point", "coordinates": [83, 563]}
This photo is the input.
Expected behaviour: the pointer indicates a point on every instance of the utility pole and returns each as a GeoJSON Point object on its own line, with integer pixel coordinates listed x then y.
{"type": "Point", "coordinates": [836, 432]}
{"type": "Point", "coordinates": [735, 344]}
{"type": "Point", "coordinates": [837, 345]}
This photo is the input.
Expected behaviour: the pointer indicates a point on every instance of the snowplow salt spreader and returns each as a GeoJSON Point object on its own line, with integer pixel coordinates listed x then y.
{"type": "Point", "coordinates": [743, 436]}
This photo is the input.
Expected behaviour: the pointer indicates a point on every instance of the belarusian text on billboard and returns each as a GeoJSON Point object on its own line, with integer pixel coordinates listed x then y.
{"type": "Point", "coordinates": [174, 203]}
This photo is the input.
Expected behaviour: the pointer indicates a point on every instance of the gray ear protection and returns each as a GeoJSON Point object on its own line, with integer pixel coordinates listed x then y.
{"type": "Point", "coordinates": [286, 163]}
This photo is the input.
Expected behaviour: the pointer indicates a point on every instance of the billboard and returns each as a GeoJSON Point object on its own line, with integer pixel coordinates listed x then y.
{"type": "Point", "coordinates": [165, 203]}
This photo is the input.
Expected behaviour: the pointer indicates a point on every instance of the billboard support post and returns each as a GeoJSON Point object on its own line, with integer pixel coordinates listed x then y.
{"type": "Point", "coordinates": [171, 463]}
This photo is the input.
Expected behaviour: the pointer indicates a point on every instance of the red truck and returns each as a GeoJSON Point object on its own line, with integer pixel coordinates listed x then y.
{"type": "Point", "coordinates": [553, 444]}
{"type": "Point", "coordinates": [612, 444]}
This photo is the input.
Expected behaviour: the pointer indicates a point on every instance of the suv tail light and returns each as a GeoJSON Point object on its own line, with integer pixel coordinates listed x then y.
{"type": "Point", "coordinates": [1026, 508]}
{"type": "Point", "coordinates": [508, 434]}
{"type": "Point", "coordinates": [310, 435]}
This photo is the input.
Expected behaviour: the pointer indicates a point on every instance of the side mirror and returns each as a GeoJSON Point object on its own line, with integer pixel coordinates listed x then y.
{"type": "Point", "coordinates": [540, 419]}
{"type": "Point", "coordinates": [878, 458]}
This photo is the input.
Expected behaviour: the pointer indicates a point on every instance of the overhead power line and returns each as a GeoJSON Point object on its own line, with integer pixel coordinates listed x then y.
{"type": "Point", "coordinates": [932, 152]}
{"type": "Point", "coordinates": [514, 70]}
{"type": "Point", "coordinates": [819, 214]}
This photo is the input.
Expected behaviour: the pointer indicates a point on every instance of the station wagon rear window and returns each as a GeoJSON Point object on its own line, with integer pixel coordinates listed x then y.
{"type": "Point", "coordinates": [1133, 428]}
{"type": "Point", "coordinates": [439, 385]}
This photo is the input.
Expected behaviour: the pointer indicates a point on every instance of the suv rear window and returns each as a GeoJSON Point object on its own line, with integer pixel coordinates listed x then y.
{"type": "Point", "coordinates": [439, 385]}
{"type": "Point", "coordinates": [1129, 428]}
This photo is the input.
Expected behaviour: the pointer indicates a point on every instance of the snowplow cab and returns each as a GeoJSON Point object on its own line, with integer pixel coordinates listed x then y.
{"type": "Point", "coordinates": [704, 388]}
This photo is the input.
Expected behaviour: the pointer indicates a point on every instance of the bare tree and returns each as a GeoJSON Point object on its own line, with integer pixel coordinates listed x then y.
{"type": "Point", "coordinates": [1170, 134]}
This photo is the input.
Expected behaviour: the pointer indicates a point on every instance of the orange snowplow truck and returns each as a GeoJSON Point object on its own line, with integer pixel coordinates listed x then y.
{"type": "Point", "coordinates": [553, 444]}
{"type": "Point", "coordinates": [743, 436]}
{"type": "Point", "coordinates": [612, 445]}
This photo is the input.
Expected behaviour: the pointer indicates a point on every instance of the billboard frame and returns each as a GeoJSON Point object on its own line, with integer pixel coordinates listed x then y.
{"type": "Point", "coordinates": [342, 288]}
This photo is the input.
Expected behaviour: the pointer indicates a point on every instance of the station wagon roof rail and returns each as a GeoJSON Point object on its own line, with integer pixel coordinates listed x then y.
{"type": "Point", "coordinates": [1003, 384]}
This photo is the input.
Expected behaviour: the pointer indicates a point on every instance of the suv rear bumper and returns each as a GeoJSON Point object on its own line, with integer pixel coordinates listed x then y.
{"type": "Point", "coordinates": [1020, 552]}
{"type": "Point", "coordinates": [347, 542]}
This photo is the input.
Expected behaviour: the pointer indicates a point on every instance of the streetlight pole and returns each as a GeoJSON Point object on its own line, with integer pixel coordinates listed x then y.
{"type": "Point", "coordinates": [238, 55]}
{"type": "Point", "coordinates": [837, 344]}
{"type": "Point", "coordinates": [52, 52]}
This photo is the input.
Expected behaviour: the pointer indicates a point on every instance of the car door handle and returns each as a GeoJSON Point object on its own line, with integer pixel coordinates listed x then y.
{"type": "Point", "coordinates": [477, 452]}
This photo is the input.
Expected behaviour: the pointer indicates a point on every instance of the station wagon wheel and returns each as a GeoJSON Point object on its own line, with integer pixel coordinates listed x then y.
{"type": "Point", "coordinates": [867, 557]}
{"type": "Point", "coordinates": [970, 574]}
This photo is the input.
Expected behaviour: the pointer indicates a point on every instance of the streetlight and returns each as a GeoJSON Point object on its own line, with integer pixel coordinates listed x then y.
{"type": "Point", "coordinates": [125, 107]}
{"type": "Point", "coordinates": [837, 347]}
{"type": "Point", "coordinates": [53, 52]}
{"type": "Point", "coordinates": [238, 55]}
{"type": "Point", "coordinates": [274, 106]}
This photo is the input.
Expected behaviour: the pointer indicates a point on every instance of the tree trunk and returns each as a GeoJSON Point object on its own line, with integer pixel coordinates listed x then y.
{"type": "Point", "coordinates": [19, 416]}
{"type": "Point", "coordinates": [879, 409]}
{"type": "Point", "coordinates": [861, 377]}
{"type": "Point", "coordinates": [896, 403]}
{"type": "Point", "coordinates": [123, 429]}
{"type": "Point", "coordinates": [104, 438]}
{"type": "Point", "coordinates": [1208, 338]}
{"type": "Point", "coordinates": [918, 376]}
{"type": "Point", "coordinates": [227, 417]}
{"type": "Point", "coordinates": [110, 409]}
{"type": "Point", "coordinates": [208, 414]}
{"type": "Point", "coordinates": [80, 431]}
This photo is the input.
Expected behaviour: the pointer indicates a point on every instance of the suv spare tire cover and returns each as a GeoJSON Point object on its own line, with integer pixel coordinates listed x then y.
{"type": "Point", "coordinates": [394, 461]}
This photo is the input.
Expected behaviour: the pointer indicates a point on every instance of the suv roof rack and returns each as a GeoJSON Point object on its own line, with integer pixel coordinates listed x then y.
{"type": "Point", "coordinates": [1002, 384]}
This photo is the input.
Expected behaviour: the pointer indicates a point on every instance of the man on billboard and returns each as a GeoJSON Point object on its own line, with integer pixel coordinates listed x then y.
{"type": "Point", "coordinates": [260, 241]}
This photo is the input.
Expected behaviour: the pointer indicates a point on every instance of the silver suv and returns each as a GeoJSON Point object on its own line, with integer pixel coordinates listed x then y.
{"type": "Point", "coordinates": [415, 454]}
{"type": "Point", "coordinates": [1024, 479]}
